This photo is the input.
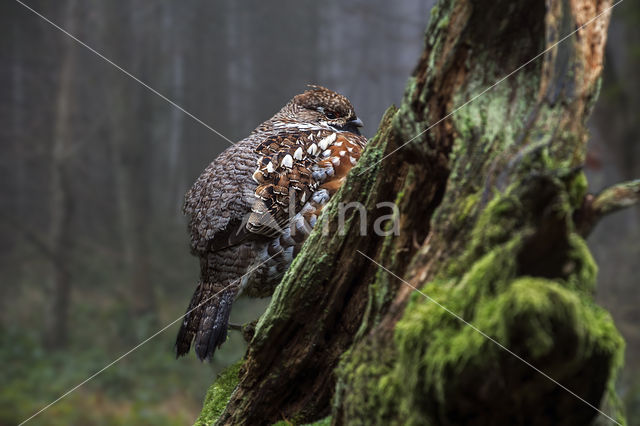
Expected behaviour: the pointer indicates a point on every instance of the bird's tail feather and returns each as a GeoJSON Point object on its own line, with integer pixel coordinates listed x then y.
{"type": "Point", "coordinates": [206, 320]}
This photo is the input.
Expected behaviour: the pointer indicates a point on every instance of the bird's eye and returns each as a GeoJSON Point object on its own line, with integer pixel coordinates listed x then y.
{"type": "Point", "coordinates": [330, 115]}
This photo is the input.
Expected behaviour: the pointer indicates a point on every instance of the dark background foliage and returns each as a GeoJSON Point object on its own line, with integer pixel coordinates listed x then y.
{"type": "Point", "coordinates": [93, 166]}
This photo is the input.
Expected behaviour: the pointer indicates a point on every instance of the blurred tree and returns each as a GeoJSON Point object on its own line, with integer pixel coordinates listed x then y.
{"type": "Point", "coordinates": [131, 146]}
{"type": "Point", "coordinates": [62, 199]}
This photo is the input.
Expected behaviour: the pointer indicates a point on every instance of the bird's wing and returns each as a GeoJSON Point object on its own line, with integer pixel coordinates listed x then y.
{"type": "Point", "coordinates": [292, 166]}
{"type": "Point", "coordinates": [222, 196]}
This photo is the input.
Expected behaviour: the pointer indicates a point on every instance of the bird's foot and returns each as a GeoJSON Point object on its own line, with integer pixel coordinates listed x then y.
{"type": "Point", "coordinates": [237, 327]}
{"type": "Point", "coordinates": [247, 330]}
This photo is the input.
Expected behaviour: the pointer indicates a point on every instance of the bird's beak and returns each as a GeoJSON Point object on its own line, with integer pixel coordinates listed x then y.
{"type": "Point", "coordinates": [352, 126]}
{"type": "Point", "coordinates": [357, 122]}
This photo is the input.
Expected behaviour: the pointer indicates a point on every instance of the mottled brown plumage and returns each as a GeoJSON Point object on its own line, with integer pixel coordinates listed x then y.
{"type": "Point", "coordinates": [253, 206]}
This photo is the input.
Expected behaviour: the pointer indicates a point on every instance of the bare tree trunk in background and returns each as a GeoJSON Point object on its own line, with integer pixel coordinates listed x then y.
{"type": "Point", "coordinates": [490, 200]}
{"type": "Point", "coordinates": [14, 132]}
{"type": "Point", "coordinates": [176, 175]}
{"type": "Point", "coordinates": [18, 123]}
{"type": "Point", "coordinates": [141, 179]}
{"type": "Point", "coordinates": [237, 66]}
{"type": "Point", "coordinates": [129, 157]}
{"type": "Point", "coordinates": [122, 114]}
{"type": "Point", "coordinates": [60, 232]}
{"type": "Point", "coordinates": [169, 64]}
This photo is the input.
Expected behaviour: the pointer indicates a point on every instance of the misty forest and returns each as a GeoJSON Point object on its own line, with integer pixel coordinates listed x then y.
{"type": "Point", "coordinates": [505, 133]}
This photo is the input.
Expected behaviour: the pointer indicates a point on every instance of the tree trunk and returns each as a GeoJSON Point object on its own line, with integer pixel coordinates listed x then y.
{"type": "Point", "coordinates": [61, 197]}
{"type": "Point", "coordinates": [130, 152]}
{"type": "Point", "coordinates": [503, 328]}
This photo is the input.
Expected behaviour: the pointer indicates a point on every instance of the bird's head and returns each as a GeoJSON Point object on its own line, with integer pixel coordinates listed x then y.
{"type": "Point", "coordinates": [326, 107]}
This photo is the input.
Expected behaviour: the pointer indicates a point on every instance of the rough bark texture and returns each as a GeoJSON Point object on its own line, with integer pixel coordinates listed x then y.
{"type": "Point", "coordinates": [487, 200]}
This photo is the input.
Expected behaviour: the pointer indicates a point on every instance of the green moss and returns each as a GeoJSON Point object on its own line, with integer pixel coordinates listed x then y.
{"type": "Point", "coordinates": [322, 422]}
{"type": "Point", "coordinates": [577, 190]}
{"type": "Point", "coordinates": [495, 225]}
{"type": "Point", "coordinates": [463, 210]}
{"type": "Point", "coordinates": [443, 23]}
{"type": "Point", "coordinates": [543, 306]}
{"type": "Point", "coordinates": [435, 10]}
{"type": "Point", "coordinates": [437, 356]}
{"type": "Point", "coordinates": [218, 395]}
{"type": "Point", "coordinates": [367, 389]}
{"type": "Point", "coordinates": [581, 266]}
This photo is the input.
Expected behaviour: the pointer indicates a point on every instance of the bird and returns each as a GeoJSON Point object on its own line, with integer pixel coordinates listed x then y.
{"type": "Point", "coordinates": [252, 208]}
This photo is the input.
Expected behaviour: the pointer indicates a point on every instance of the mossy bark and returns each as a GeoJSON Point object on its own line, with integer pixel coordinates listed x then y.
{"type": "Point", "coordinates": [218, 395]}
{"type": "Point", "coordinates": [487, 199]}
